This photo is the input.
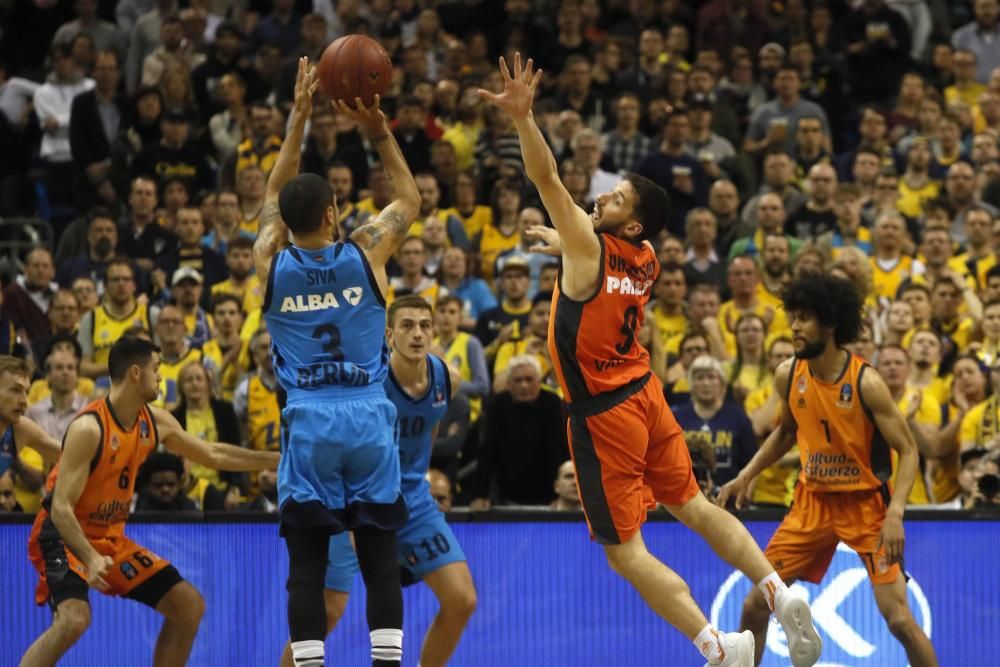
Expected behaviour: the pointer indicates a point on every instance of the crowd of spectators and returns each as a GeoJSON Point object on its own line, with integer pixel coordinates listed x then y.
{"type": "Point", "coordinates": [857, 137]}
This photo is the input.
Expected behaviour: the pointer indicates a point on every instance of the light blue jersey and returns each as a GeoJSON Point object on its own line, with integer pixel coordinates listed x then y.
{"type": "Point", "coordinates": [340, 462]}
{"type": "Point", "coordinates": [326, 316]}
{"type": "Point", "coordinates": [426, 543]}
{"type": "Point", "coordinates": [417, 419]}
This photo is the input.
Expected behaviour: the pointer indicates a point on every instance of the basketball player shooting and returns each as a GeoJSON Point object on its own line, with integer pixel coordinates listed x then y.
{"type": "Point", "coordinates": [325, 309]}
{"type": "Point", "coordinates": [844, 418]}
{"type": "Point", "coordinates": [623, 438]}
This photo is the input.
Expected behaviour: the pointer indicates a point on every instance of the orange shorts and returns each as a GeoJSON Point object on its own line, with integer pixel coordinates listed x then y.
{"type": "Point", "coordinates": [806, 540]}
{"type": "Point", "coordinates": [628, 458]}
{"type": "Point", "coordinates": [61, 572]}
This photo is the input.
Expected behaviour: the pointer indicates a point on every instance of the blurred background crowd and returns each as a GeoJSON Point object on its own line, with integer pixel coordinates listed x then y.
{"type": "Point", "coordinates": [855, 137]}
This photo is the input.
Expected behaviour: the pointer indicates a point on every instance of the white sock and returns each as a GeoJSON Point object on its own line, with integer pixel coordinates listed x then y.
{"type": "Point", "coordinates": [308, 653]}
{"type": "Point", "coordinates": [707, 642]}
{"type": "Point", "coordinates": [772, 586]}
{"type": "Point", "coordinates": [387, 646]}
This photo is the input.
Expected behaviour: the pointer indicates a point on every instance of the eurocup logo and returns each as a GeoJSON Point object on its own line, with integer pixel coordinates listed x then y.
{"type": "Point", "coordinates": [844, 612]}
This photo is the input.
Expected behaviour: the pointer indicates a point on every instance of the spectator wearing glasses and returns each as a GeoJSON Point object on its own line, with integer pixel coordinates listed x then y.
{"type": "Point", "coordinates": [119, 313]}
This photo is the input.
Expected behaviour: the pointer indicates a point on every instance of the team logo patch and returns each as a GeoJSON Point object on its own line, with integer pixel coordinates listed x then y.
{"type": "Point", "coordinates": [144, 434]}
{"type": "Point", "coordinates": [129, 571]}
{"type": "Point", "coordinates": [846, 396]}
{"type": "Point", "coordinates": [802, 385]}
{"type": "Point", "coordinates": [438, 396]}
{"type": "Point", "coordinates": [114, 443]}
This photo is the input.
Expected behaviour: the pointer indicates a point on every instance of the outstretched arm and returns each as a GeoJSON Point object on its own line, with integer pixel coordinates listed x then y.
{"type": "Point", "coordinates": [381, 238]}
{"type": "Point", "coordinates": [273, 233]}
{"type": "Point", "coordinates": [574, 225]}
{"type": "Point", "coordinates": [776, 445]}
{"type": "Point", "coordinates": [892, 425]}
{"type": "Point", "coordinates": [30, 434]}
{"type": "Point", "coordinates": [215, 455]}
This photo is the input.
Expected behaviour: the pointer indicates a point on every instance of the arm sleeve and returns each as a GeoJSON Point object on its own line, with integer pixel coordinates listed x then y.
{"type": "Point", "coordinates": [479, 385]}
{"type": "Point", "coordinates": [83, 335]}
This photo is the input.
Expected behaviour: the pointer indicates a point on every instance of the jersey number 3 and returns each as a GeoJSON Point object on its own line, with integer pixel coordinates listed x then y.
{"type": "Point", "coordinates": [329, 335]}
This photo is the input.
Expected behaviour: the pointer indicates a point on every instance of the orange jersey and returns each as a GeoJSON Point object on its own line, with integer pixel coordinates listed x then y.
{"type": "Point", "coordinates": [103, 506]}
{"type": "Point", "coordinates": [840, 447]}
{"type": "Point", "coordinates": [593, 344]}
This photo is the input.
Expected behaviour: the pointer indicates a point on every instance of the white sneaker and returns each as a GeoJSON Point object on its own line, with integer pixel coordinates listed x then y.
{"type": "Point", "coordinates": [738, 650]}
{"type": "Point", "coordinates": [804, 643]}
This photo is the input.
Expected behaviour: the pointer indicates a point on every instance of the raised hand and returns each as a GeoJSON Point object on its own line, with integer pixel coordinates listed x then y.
{"type": "Point", "coordinates": [371, 119]}
{"type": "Point", "coordinates": [518, 89]}
{"type": "Point", "coordinates": [306, 82]}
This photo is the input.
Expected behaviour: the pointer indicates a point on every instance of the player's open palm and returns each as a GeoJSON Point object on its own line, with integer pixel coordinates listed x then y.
{"type": "Point", "coordinates": [371, 119]}
{"type": "Point", "coordinates": [518, 88]}
{"type": "Point", "coordinates": [306, 82]}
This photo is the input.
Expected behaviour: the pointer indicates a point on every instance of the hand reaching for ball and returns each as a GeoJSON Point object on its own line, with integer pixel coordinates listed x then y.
{"type": "Point", "coordinates": [518, 90]}
{"type": "Point", "coordinates": [370, 119]}
{"type": "Point", "coordinates": [306, 82]}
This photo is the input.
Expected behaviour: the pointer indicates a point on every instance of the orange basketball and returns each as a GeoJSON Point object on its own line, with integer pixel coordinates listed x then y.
{"type": "Point", "coordinates": [355, 66]}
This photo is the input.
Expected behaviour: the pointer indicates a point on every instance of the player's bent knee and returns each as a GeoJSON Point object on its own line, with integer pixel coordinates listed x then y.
{"type": "Point", "coordinates": [72, 618]}
{"type": "Point", "coordinates": [183, 603]}
{"type": "Point", "coordinates": [461, 604]}
{"type": "Point", "coordinates": [901, 623]}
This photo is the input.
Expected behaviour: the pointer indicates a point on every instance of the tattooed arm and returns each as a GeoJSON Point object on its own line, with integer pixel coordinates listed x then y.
{"type": "Point", "coordinates": [380, 238]}
{"type": "Point", "coordinates": [272, 235]}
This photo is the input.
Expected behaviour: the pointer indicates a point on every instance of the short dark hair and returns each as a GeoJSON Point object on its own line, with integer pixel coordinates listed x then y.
{"type": "Point", "coordinates": [162, 462]}
{"type": "Point", "coordinates": [449, 298]}
{"type": "Point", "coordinates": [127, 352]}
{"type": "Point", "coordinates": [303, 202]}
{"type": "Point", "coordinates": [408, 301]}
{"type": "Point", "coordinates": [240, 243]}
{"type": "Point", "coordinates": [670, 267]}
{"type": "Point", "coordinates": [99, 212]}
{"type": "Point", "coordinates": [835, 302]}
{"type": "Point", "coordinates": [652, 205]}
{"type": "Point", "coordinates": [64, 338]}
{"type": "Point", "coordinates": [541, 297]}
{"type": "Point", "coordinates": [225, 297]}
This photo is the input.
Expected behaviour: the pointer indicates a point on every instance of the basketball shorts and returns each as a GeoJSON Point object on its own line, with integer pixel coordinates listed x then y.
{"type": "Point", "coordinates": [805, 542]}
{"type": "Point", "coordinates": [628, 457]}
{"type": "Point", "coordinates": [137, 573]}
{"type": "Point", "coordinates": [425, 544]}
{"type": "Point", "coordinates": [340, 463]}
